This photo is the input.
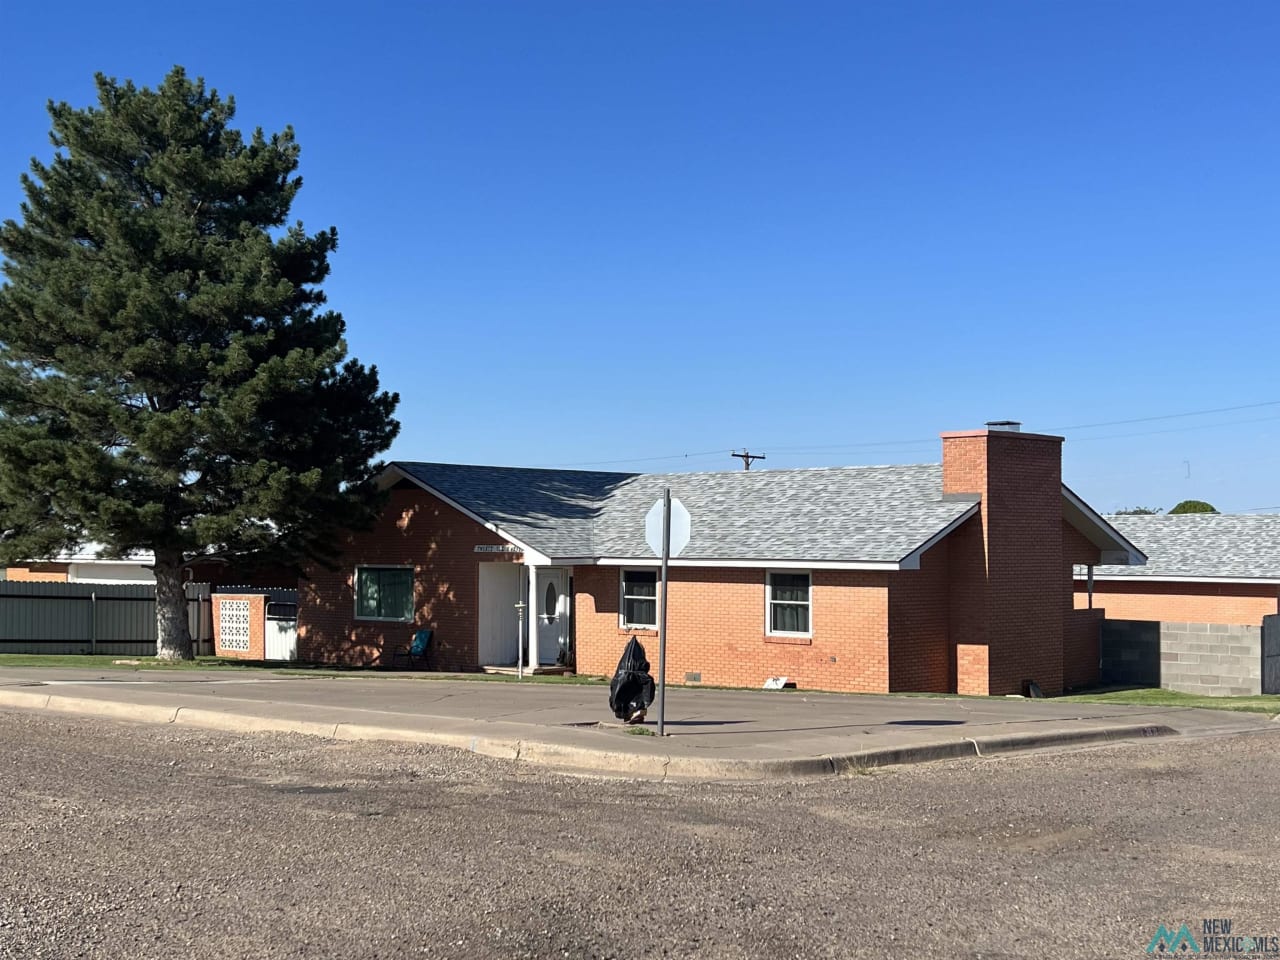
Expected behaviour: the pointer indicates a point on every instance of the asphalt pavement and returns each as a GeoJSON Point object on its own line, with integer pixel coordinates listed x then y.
{"type": "Point", "coordinates": [719, 734]}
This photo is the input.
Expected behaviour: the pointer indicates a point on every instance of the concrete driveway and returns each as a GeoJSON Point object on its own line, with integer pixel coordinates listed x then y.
{"type": "Point", "coordinates": [710, 733]}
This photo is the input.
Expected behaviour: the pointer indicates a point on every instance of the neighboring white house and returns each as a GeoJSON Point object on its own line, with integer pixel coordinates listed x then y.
{"type": "Point", "coordinates": [85, 565]}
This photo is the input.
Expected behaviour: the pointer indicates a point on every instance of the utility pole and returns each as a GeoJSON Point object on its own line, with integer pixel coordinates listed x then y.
{"type": "Point", "coordinates": [747, 457]}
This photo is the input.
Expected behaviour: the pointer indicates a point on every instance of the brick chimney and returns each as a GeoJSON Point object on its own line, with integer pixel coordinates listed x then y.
{"type": "Point", "coordinates": [1007, 608]}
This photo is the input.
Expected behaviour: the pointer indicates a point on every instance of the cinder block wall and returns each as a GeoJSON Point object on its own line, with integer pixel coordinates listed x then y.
{"type": "Point", "coordinates": [1213, 659]}
{"type": "Point", "coordinates": [716, 629]}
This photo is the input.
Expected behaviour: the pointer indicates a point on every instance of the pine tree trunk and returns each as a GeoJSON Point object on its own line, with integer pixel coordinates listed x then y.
{"type": "Point", "coordinates": [173, 636]}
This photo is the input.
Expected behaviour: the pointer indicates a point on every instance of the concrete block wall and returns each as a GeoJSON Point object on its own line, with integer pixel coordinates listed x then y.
{"type": "Point", "coordinates": [1213, 659]}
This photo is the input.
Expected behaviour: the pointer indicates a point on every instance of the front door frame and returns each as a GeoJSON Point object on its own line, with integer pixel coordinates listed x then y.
{"type": "Point", "coordinates": [535, 587]}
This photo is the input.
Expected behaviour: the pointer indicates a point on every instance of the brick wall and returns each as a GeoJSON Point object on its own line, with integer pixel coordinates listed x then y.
{"type": "Point", "coordinates": [716, 628]}
{"type": "Point", "coordinates": [1019, 477]}
{"type": "Point", "coordinates": [38, 573]}
{"type": "Point", "coordinates": [418, 530]}
{"type": "Point", "coordinates": [920, 653]}
{"type": "Point", "coordinates": [967, 598]}
{"type": "Point", "coordinates": [1079, 628]}
{"type": "Point", "coordinates": [1185, 602]}
{"type": "Point", "coordinates": [257, 624]}
{"type": "Point", "coordinates": [973, 669]}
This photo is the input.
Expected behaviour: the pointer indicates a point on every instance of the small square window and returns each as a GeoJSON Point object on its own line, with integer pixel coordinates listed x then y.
{"type": "Point", "coordinates": [640, 599]}
{"type": "Point", "coordinates": [384, 593]}
{"type": "Point", "coordinates": [788, 596]}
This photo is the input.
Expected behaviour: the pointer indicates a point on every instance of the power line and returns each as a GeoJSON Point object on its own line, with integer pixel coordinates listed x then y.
{"type": "Point", "coordinates": [1167, 416]}
{"type": "Point", "coordinates": [601, 463]}
{"type": "Point", "coordinates": [1198, 426]}
{"type": "Point", "coordinates": [923, 442]}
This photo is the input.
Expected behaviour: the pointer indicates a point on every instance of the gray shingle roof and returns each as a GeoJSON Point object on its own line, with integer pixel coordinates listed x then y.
{"type": "Point", "coordinates": [550, 510]}
{"type": "Point", "coordinates": [1197, 545]}
{"type": "Point", "coordinates": [836, 514]}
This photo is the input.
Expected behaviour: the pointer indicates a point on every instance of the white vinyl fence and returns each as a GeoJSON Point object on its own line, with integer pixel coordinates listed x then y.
{"type": "Point", "coordinates": [93, 618]}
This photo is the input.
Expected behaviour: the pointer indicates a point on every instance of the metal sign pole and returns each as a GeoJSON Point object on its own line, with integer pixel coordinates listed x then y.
{"type": "Point", "coordinates": [662, 613]}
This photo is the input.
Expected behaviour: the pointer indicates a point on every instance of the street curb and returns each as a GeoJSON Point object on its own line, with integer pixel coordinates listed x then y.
{"type": "Point", "coordinates": [589, 759]}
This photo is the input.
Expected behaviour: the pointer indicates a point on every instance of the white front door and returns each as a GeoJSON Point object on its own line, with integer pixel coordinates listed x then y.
{"type": "Point", "coordinates": [499, 619]}
{"type": "Point", "coordinates": [552, 605]}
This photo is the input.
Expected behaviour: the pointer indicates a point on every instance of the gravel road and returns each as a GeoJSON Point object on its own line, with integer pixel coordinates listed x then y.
{"type": "Point", "coordinates": [124, 841]}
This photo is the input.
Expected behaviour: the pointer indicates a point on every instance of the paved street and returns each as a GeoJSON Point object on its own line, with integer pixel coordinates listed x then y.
{"type": "Point", "coordinates": [132, 840]}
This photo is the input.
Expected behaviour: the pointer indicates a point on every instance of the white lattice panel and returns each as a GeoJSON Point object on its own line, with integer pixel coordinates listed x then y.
{"type": "Point", "coordinates": [233, 625]}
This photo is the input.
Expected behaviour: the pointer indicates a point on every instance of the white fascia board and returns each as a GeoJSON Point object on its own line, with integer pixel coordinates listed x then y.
{"type": "Point", "coordinates": [912, 560]}
{"type": "Point", "coordinates": [1143, 578]}
{"type": "Point", "coordinates": [741, 564]}
{"type": "Point", "coordinates": [1130, 556]}
{"type": "Point", "coordinates": [393, 474]}
{"type": "Point", "coordinates": [133, 559]}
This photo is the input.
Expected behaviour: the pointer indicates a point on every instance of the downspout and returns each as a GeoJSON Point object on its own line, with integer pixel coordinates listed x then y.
{"type": "Point", "coordinates": [1090, 569]}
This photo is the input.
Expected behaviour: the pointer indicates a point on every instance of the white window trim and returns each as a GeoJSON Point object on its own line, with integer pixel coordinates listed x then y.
{"type": "Point", "coordinates": [355, 592]}
{"type": "Point", "coordinates": [768, 604]}
{"type": "Point", "coordinates": [622, 599]}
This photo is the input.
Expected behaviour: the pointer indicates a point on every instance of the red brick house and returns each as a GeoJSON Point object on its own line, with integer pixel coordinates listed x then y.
{"type": "Point", "coordinates": [951, 577]}
{"type": "Point", "coordinates": [1202, 568]}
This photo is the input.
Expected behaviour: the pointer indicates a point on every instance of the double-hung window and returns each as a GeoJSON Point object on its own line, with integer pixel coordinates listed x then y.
{"type": "Point", "coordinates": [787, 604]}
{"type": "Point", "coordinates": [384, 593]}
{"type": "Point", "coordinates": [640, 599]}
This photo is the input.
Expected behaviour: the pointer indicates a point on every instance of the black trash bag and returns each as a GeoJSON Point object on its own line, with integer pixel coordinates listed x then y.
{"type": "Point", "coordinates": [631, 690]}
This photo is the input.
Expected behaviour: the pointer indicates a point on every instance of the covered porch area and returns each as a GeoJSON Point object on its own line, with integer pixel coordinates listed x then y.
{"type": "Point", "coordinates": [525, 618]}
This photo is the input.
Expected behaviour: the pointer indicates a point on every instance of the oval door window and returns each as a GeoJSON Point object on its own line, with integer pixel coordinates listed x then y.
{"type": "Point", "coordinates": [550, 602]}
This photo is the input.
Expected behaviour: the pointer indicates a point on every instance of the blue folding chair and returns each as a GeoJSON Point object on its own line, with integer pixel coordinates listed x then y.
{"type": "Point", "coordinates": [415, 653]}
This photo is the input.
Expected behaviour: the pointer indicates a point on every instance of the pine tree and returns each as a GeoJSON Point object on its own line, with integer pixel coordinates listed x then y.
{"type": "Point", "coordinates": [170, 380]}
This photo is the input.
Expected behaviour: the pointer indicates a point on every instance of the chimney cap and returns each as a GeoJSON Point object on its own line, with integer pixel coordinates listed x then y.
{"type": "Point", "coordinates": [1013, 426]}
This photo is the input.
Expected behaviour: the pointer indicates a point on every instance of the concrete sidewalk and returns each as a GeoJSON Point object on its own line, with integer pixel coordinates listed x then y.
{"type": "Point", "coordinates": [714, 734]}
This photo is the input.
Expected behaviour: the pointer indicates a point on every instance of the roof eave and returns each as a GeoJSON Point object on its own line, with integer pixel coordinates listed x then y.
{"type": "Point", "coordinates": [912, 560]}
{"type": "Point", "coordinates": [1114, 549]}
{"type": "Point", "coordinates": [394, 474]}
{"type": "Point", "coordinates": [749, 563]}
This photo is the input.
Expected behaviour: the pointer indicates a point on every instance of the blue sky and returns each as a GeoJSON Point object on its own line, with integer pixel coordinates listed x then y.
{"type": "Point", "coordinates": [620, 233]}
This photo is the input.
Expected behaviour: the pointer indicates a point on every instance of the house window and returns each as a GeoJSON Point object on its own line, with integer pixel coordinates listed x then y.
{"type": "Point", "coordinates": [640, 599]}
{"type": "Point", "coordinates": [788, 604]}
{"type": "Point", "coordinates": [384, 593]}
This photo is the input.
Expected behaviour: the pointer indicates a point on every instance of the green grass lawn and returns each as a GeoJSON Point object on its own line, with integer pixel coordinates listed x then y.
{"type": "Point", "coordinates": [1156, 697]}
{"type": "Point", "coordinates": [107, 661]}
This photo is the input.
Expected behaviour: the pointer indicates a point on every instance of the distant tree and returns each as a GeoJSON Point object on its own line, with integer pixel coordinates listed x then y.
{"type": "Point", "coordinates": [1194, 506]}
{"type": "Point", "coordinates": [1137, 511]}
{"type": "Point", "coordinates": [169, 380]}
